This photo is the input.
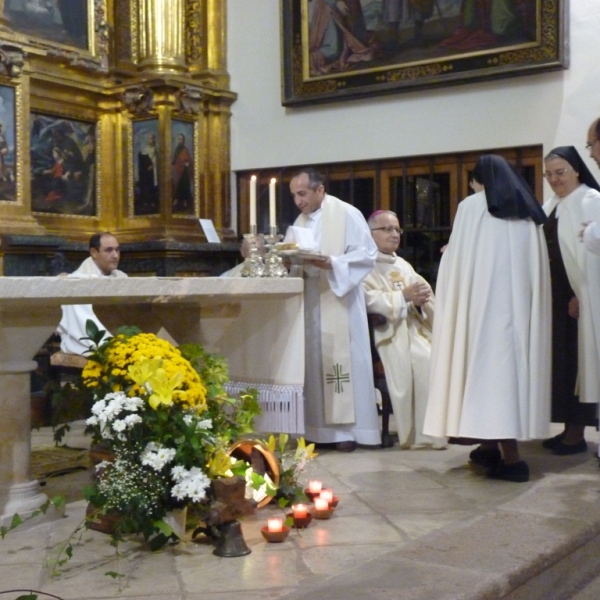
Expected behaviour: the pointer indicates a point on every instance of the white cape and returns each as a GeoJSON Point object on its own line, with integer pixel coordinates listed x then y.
{"type": "Point", "coordinates": [490, 363]}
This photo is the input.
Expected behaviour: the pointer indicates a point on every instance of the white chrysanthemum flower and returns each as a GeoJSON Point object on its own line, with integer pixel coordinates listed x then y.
{"type": "Point", "coordinates": [92, 421]}
{"type": "Point", "coordinates": [204, 424]}
{"type": "Point", "coordinates": [119, 426]}
{"type": "Point", "coordinates": [131, 420]}
{"type": "Point", "coordinates": [178, 473]}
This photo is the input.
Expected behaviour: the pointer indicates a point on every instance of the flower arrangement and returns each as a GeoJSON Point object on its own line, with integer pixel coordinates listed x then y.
{"type": "Point", "coordinates": [292, 462]}
{"type": "Point", "coordinates": [164, 414]}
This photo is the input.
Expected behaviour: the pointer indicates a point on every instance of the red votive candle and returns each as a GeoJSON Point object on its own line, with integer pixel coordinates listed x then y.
{"type": "Point", "coordinates": [300, 511]}
{"type": "Point", "coordinates": [275, 524]}
{"type": "Point", "coordinates": [327, 495]}
{"type": "Point", "coordinates": [314, 487]}
{"type": "Point", "coordinates": [321, 504]}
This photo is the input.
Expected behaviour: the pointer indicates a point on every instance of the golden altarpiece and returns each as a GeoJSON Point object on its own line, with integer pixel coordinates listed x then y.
{"type": "Point", "coordinates": [114, 115]}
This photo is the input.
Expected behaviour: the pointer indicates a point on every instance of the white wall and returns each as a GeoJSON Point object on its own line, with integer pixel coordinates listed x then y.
{"type": "Point", "coordinates": [553, 109]}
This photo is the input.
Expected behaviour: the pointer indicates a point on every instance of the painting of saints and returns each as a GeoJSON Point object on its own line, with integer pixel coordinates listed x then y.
{"type": "Point", "coordinates": [182, 165]}
{"type": "Point", "coordinates": [62, 21]}
{"type": "Point", "coordinates": [7, 143]}
{"type": "Point", "coordinates": [146, 199]}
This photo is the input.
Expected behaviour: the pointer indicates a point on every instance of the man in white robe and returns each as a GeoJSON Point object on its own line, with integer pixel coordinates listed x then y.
{"type": "Point", "coordinates": [102, 262]}
{"type": "Point", "coordinates": [490, 361]}
{"type": "Point", "coordinates": [591, 231]}
{"type": "Point", "coordinates": [340, 403]}
{"type": "Point", "coordinates": [394, 290]}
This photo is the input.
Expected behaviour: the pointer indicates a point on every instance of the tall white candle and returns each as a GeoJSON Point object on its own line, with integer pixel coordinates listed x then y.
{"type": "Point", "coordinates": [252, 202]}
{"type": "Point", "coordinates": [272, 213]}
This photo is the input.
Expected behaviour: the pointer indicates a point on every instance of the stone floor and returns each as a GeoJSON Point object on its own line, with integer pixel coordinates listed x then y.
{"type": "Point", "coordinates": [419, 524]}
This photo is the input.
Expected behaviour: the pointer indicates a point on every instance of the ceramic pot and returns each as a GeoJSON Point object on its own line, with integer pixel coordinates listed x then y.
{"type": "Point", "coordinates": [260, 458]}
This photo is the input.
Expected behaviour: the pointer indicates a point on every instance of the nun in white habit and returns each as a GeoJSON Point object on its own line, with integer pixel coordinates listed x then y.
{"type": "Point", "coordinates": [490, 362]}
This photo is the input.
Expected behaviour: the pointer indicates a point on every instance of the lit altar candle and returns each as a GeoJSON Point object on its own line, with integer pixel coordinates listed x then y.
{"type": "Point", "coordinates": [252, 202]}
{"type": "Point", "coordinates": [314, 487]}
{"type": "Point", "coordinates": [321, 504]}
{"type": "Point", "coordinates": [275, 524]}
{"type": "Point", "coordinates": [300, 511]}
{"type": "Point", "coordinates": [327, 495]}
{"type": "Point", "coordinates": [272, 215]}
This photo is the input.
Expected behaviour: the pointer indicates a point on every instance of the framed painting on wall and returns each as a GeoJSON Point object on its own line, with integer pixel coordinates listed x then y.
{"type": "Point", "coordinates": [63, 165]}
{"type": "Point", "coordinates": [76, 30]}
{"type": "Point", "coordinates": [8, 142]}
{"type": "Point", "coordinates": [182, 167]}
{"type": "Point", "coordinates": [339, 49]}
{"type": "Point", "coordinates": [146, 199]}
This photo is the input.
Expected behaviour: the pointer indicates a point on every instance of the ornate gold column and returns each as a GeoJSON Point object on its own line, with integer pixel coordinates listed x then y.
{"type": "Point", "coordinates": [161, 35]}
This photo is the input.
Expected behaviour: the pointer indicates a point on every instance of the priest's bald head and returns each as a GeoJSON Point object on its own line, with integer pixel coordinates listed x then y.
{"type": "Point", "coordinates": [593, 141]}
{"type": "Point", "coordinates": [105, 251]}
{"type": "Point", "coordinates": [308, 189]}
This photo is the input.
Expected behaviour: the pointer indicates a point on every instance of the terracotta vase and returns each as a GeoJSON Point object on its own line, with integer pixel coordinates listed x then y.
{"type": "Point", "coordinates": [261, 459]}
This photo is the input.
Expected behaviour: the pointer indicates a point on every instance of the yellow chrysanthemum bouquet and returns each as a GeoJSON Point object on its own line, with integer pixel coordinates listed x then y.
{"type": "Point", "coordinates": [164, 414]}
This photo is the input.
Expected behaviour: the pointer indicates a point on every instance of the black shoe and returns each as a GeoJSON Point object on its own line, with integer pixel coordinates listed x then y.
{"type": "Point", "coordinates": [488, 458]}
{"type": "Point", "coordinates": [565, 449]}
{"type": "Point", "coordinates": [345, 446]}
{"type": "Point", "coordinates": [517, 472]}
{"type": "Point", "coordinates": [550, 443]}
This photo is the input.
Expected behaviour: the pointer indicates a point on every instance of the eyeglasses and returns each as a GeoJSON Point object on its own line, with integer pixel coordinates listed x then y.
{"type": "Point", "coordinates": [589, 145]}
{"type": "Point", "coordinates": [389, 229]}
{"type": "Point", "coordinates": [557, 173]}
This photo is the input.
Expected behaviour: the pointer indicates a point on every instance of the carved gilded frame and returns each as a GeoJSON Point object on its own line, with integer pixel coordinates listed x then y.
{"type": "Point", "coordinates": [375, 59]}
{"type": "Point", "coordinates": [35, 37]}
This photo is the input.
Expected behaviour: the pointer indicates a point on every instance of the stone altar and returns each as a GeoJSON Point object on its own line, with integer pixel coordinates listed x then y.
{"type": "Point", "coordinates": [257, 324]}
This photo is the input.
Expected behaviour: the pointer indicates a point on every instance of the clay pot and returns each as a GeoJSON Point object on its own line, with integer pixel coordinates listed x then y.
{"type": "Point", "coordinates": [260, 458]}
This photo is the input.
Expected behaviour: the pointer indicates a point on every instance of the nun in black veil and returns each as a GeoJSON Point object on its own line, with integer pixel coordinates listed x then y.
{"type": "Point", "coordinates": [490, 362]}
{"type": "Point", "coordinates": [575, 275]}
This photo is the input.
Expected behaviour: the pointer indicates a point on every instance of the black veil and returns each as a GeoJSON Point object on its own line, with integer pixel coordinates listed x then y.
{"type": "Point", "coordinates": [570, 154]}
{"type": "Point", "coordinates": [508, 194]}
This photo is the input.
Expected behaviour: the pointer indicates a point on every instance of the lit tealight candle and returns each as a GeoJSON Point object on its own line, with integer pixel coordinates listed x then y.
{"type": "Point", "coordinates": [300, 511]}
{"type": "Point", "coordinates": [275, 524]}
{"type": "Point", "coordinates": [314, 487]}
{"type": "Point", "coordinates": [321, 504]}
{"type": "Point", "coordinates": [327, 495]}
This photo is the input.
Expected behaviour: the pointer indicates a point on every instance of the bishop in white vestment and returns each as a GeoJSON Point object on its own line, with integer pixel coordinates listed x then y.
{"type": "Point", "coordinates": [490, 362]}
{"type": "Point", "coordinates": [102, 262]}
{"type": "Point", "coordinates": [340, 403]}
{"type": "Point", "coordinates": [396, 291]}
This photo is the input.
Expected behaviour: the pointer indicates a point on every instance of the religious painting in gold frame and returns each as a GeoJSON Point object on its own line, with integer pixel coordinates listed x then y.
{"type": "Point", "coordinates": [145, 166]}
{"type": "Point", "coordinates": [183, 168]}
{"type": "Point", "coordinates": [336, 50]}
{"type": "Point", "coordinates": [76, 30]}
{"type": "Point", "coordinates": [63, 165]}
{"type": "Point", "coordinates": [8, 143]}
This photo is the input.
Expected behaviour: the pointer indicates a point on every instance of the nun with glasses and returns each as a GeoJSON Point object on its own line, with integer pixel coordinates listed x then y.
{"type": "Point", "coordinates": [490, 362]}
{"type": "Point", "coordinates": [575, 275]}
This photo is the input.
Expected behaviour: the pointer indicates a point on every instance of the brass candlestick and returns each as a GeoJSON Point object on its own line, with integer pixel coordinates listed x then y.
{"type": "Point", "coordinates": [273, 263]}
{"type": "Point", "coordinates": [254, 265]}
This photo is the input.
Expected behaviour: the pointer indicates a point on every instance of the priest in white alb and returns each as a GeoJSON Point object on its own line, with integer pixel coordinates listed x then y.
{"type": "Point", "coordinates": [340, 403]}
{"type": "Point", "coordinates": [396, 291]}
{"type": "Point", "coordinates": [102, 262]}
{"type": "Point", "coordinates": [490, 360]}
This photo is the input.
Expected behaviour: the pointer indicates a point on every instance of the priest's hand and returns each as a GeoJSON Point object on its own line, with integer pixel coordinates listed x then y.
{"type": "Point", "coordinates": [574, 307]}
{"type": "Point", "coordinates": [418, 293]}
